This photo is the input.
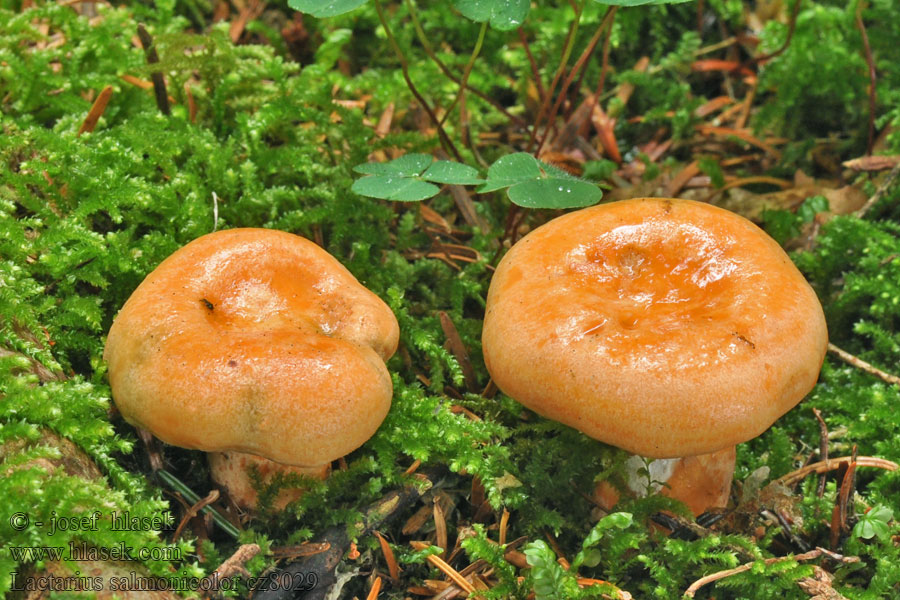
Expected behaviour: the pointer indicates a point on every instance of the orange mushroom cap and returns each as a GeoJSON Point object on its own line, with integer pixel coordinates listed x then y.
{"type": "Point", "coordinates": [665, 327]}
{"type": "Point", "coordinates": [255, 341]}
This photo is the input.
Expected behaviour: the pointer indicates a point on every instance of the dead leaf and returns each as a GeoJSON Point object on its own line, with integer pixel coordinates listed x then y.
{"type": "Point", "coordinates": [872, 163]}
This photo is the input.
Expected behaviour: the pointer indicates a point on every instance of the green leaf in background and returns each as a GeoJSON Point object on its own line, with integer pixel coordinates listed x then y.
{"type": "Point", "coordinates": [388, 187]}
{"type": "Point", "coordinates": [590, 556]}
{"type": "Point", "coordinates": [627, 3]}
{"type": "Point", "coordinates": [408, 165]}
{"type": "Point", "coordinates": [549, 576]}
{"type": "Point", "coordinates": [510, 170]}
{"type": "Point", "coordinates": [504, 15]}
{"type": "Point", "coordinates": [710, 166]}
{"type": "Point", "coordinates": [811, 207]}
{"type": "Point", "coordinates": [874, 523]}
{"type": "Point", "coordinates": [554, 193]}
{"type": "Point", "coordinates": [598, 170]}
{"type": "Point", "coordinates": [325, 8]}
{"type": "Point", "coordinates": [447, 171]}
{"type": "Point", "coordinates": [405, 179]}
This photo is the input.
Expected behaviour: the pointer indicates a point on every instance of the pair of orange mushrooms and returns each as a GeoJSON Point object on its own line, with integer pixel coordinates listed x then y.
{"type": "Point", "coordinates": [669, 328]}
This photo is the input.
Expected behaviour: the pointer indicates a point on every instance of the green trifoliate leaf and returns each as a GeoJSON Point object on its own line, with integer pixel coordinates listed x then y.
{"type": "Point", "coordinates": [454, 173]}
{"type": "Point", "coordinates": [627, 3]}
{"type": "Point", "coordinates": [408, 165]}
{"type": "Point", "coordinates": [502, 14]}
{"type": "Point", "coordinates": [407, 178]}
{"type": "Point", "coordinates": [874, 523]}
{"type": "Point", "coordinates": [510, 170]}
{"type": "Point", "coordinates": [394, 187]}
{"type": "Point", "coordinates": [555, 193]}
{"type": "Point", "coordinates": [533, 184]}
{"type": "Point", "coordinates": [325, 8]}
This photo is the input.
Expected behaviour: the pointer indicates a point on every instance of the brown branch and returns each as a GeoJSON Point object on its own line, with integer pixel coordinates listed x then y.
{"type": "Point", "coordinates": [812, 554]}
{"type": "Point", "coordinates": [835, 463]}
{"type": "Point", "coordinates": [193, 511]}
{"type": "Point", "coordinates": [234, 565]}
{"type": "Point", "coordinates": [579, 64]}
{"type": "Point", "coordinates": [404, 68]}
{"type": "Point", "coordinates": [792, 25]}
{"type": "Point", "coordinates": [823, 447]}
{"type": "Point", "coordinates": [44, 374]}
{"type": "Point", "coordinates": [567, 50]}
{"type": "Point", "coordinates": [159, 84]}
{"type": "Point", "coordinates": [863, 365]}
{"type": "Point", "coordinates": [542, 94]}
{"type": "Point", "coordinates": [604, 68]}
{"type": "Point", "coordinates": [880, 192]}
{"type": "Point", "coordinates": [870, 62]}
{"type": "Point", "coordinates": [839, 517]}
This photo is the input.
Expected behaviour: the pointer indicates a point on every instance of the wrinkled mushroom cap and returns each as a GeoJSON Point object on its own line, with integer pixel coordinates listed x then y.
{"type": "Point", "coordinates": [664, 327]}
{"type": "Point", "coordinates": [254, 341]}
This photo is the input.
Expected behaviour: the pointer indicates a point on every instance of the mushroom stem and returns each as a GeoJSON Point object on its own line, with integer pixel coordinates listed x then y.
{"type": "Point", "coordinates": [232, 470]}
{"type": "Point", "coordinates": [702, 482]}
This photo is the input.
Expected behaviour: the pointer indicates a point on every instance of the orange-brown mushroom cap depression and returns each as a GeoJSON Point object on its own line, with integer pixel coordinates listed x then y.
{"type": "Point", "coordinates": [668, 328]}
{"type": "Point", "coordinates": [254, 341]}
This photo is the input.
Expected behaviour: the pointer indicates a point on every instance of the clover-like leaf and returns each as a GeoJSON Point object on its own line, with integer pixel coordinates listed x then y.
{"type": "Point", "coordinates": [533, 184]}
{"type": "Point", "coordinates": [554, 193]}
{"type": "Point", "coordinates": [627, 3]}
{"type": "Point", "coordinates": [503, 15]}
{"type": "Point", "coordinates": [874, 523]}
{"type": "Point", "coordinates": [325, 8]}
{"type": "Point", "coordinates": [407, 179]}
{"type": "Point", "coordinates": [510, 170]}
{"type": "Point", "coordinates": [408, 165]}
{"type": "Point", "coordinates": [395, 187]}
{"type": "Point", "coordinates": [447, 171]}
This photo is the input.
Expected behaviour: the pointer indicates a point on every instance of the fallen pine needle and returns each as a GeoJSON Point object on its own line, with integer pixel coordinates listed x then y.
{"type": "Point", "coordinates": [90, 121]}
{"type": "Point", "coordinates": [747, 566]}
{"type": "Point", "coordinates": [504, 522]}
{"type": "Point", "coordinates": [452, 573]}
{"type": "Point", "coordinates": [141, 83]}
{"type": "Point", "coordinates": [376, 587]}
{"type": "Point", "coordinates": [446, 569]}
{"type": "Point", "coordinates": [620, 594]}
{"type": "Point", "coordinates": [393, 567]}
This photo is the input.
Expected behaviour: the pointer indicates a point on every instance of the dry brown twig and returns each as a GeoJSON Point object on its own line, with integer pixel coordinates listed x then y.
{"type": "Point", "coordinates": [159, 84]}
{"type": "Point", "coordinates": [234, 565]}
{"type": "Point", "coordinates": [823, 447]}
{"type": "Point", "coordinates": [812, 554]}
{"type": "Point", "coordinates": [194, 510]}
{"type": "Point", "coordinates": [835, 463]}
{"type": "Point", "coordinates": [860, 363]}
{"type": "Point", "coordinates": [880, 192]}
